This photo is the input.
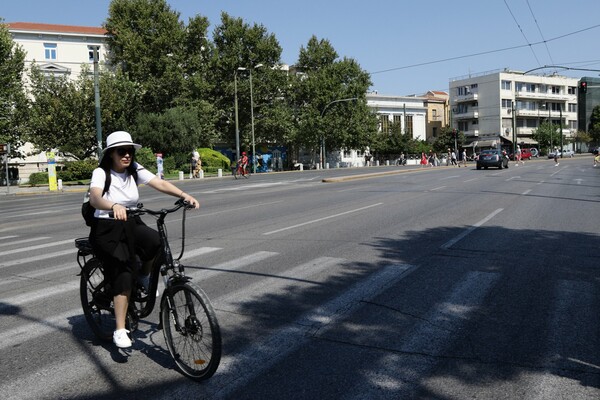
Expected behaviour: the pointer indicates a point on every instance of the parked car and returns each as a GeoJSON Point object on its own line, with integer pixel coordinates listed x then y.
{"type": "Point", "coordinates": [492, 158]}
{"type": "Point", "coordinates": [526, 154]}
{"type": "Point", "coordinates": [564, 153]}
{"type": "Point", "coordinates": [568, 153]}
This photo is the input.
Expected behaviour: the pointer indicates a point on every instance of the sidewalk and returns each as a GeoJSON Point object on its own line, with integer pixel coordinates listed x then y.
{"type": "Point", "coordinates": [40, 190]}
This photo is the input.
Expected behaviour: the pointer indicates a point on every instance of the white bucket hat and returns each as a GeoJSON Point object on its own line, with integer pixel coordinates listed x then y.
{"type": "Point", "coordinates": [119, 139]}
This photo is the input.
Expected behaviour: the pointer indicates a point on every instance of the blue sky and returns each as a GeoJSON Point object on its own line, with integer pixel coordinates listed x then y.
{"type": "Point", "coordinates": [408, 46]}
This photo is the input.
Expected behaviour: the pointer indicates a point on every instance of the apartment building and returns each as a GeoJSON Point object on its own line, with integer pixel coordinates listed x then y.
{"type": "Point", "coordinates": [57, 50]}
{"type": "Point", "coordinates": [486, 106]}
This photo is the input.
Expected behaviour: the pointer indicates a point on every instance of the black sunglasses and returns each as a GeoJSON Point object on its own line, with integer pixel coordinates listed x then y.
{"type": "Point", "coordinates": [121, 151]}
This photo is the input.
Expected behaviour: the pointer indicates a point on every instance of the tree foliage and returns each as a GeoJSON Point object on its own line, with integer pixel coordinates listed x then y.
{"type": "Point", "coordinates": [594, 129]}
{"type": "Point", "coordinates": [547, 136]}
{"type": "Point", "coordinates": [173, 87]}
{"type": "Point", "coordinates": [322, 102]}
{"type": "Point", "coordinates": [146, 40]}
{"type": "Point", "coordinates": [13, 109]}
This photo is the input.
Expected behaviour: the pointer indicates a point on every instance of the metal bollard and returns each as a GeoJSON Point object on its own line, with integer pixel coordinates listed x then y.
{"type": "Point", "coordinates": [220, 172]}
{"type": "Point", "coordinates": [59, 182]}
{"type": "Point", "coordinates": [180, 175]}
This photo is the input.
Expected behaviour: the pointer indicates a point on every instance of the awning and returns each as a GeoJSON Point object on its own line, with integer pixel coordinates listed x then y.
{"type": "Point", "coordinates": [526, 140]}
{"type": "Point", "coordinates": [483, 143]}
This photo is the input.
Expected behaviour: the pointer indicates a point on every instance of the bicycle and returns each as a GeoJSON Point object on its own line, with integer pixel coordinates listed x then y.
{"type": "Point", "coordinates": [187, 318]}
{"type": "Point", "coordinates": [241, 170]}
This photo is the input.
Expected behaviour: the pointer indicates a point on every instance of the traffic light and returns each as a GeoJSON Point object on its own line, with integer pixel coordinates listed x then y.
{"type": "Point", "coordinates": [3, 148]}
{"type": "Point", "coordinates": [453, 133]}
{"type": "Point", "coordinates": [583, 87]}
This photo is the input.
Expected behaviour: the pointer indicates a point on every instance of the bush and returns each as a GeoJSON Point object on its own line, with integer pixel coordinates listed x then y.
{"type": "Point", "coordinates": [38, 178]}
{"type": "Point", "coordinates": [213, 160]}
{"type": "Point", "coordinates": [77, 170]}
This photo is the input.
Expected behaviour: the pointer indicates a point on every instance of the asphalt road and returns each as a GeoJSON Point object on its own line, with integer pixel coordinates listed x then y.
{"type": "Point", "coordinates": [433, 283]}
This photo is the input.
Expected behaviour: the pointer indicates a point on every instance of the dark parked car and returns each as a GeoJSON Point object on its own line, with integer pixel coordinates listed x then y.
{"type": "Point", "coordinates": [492, 158]}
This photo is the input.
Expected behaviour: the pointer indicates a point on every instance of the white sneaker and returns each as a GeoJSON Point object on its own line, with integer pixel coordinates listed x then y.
{"type": "Point", "coordinates": [121, 338]}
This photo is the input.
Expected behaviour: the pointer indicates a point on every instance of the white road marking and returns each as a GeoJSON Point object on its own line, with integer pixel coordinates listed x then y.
{"type": "Point", "coordinates": [452, 242]}
{"type": "Point", "coordinates": [321, 219]}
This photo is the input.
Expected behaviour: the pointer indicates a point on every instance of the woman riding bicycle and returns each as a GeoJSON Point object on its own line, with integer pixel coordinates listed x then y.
{"type": "Point", "coordinates": [117, 240]}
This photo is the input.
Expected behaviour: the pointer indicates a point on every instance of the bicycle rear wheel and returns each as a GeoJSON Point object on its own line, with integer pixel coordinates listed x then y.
{"type": "Point", "coordinates": [191, 330]}
{"type": "Point", "coordinates": [96, 300]}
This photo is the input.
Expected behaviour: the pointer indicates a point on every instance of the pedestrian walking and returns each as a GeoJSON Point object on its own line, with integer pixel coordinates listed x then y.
{"type": "Point", "coordinates": [464, 158]}
{"type": "Point", "coordinates": [518, 156]}
{"type": "Point", "coordinates": [556, 163]}
{"type": "Point", "coordinates": [453, 158]}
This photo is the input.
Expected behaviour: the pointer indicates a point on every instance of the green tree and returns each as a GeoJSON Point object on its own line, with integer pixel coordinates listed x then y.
{"type": "Point", "coordinates": [61, 114]}
{"type": "Point", "coordinates": [13, 109]}
{"type": "Point", "coordinates": [145, 38]}
{"type": "Point", "coordinates": [594, 128]}
{"type": "Point", "coordinates": [445, 140]}
{"type": "Point", "coordinates": [175, 131]}
{"type": "Point", "coordinates": [240, 45]}
{"type": "Point", "coordinates": [547, 136]}
{"type": "Point", "coordinates": [322, 82]}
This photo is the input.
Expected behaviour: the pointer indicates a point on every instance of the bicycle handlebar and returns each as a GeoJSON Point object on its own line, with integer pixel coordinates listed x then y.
{"type": "Point", "coordinates": [140, 210]}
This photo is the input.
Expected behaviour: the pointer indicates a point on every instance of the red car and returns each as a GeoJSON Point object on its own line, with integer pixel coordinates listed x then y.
{"type": "Point", "coordinates": [525, 155]}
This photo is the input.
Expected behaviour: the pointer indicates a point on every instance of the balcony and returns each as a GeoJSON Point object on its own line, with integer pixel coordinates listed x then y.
{"type": "Point", "coordinates": [467, 115]}
{"type": "Point", "coordinates": [466, 97]}
{"type": "Point", "coordinates": [544, 96]}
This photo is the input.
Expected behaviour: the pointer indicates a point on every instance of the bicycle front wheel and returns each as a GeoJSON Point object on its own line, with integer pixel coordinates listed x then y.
{"type": "Point", "coordinates": [191, 330]}
{"type": "Point", "coordinates": [96, 300]}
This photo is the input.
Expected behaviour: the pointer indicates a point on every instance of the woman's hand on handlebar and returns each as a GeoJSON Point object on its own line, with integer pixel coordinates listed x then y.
{"type": "Point", "coordinates": [193, 203]}
{"type": "Point", "coordinates": [119, 212]}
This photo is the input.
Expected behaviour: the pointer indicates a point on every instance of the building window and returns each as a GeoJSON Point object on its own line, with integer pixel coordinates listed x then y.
{"type": "Point", "coordinates": [463, 126]}
{"type": "Point", "coordinates": [572, 90]}
{"type": "Point", "coordinates": [434, 131]}
{"type": "Point", "coordinates": [572, 124]}
{"type": "Point", "coordinates": [572, 107]}
{"type": "Point", "coordinates": [526, 87]}
{"type": "Point", "coordinates": [434, 113]}
{"type": "Point", "coordinates": [384, 121]}
{"type": "Point", "coordinates": [506, 103]}
{"type": "Point", "coordinates": [555, 89]}
{"type": "Point", "coordinates": [475, 122]}
{"type": "Point", "coordinates": [506, 85]}
{"type": "Point", "coordinates": [397, 119]}
{"type": "Point", "coordinates": [408, 124]}
{"type": "Point", "coordinates": [50, 51]}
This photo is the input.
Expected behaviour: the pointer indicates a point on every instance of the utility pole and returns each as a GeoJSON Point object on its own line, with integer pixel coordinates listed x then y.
{"type": "Point", "coordinates": [96, 55]}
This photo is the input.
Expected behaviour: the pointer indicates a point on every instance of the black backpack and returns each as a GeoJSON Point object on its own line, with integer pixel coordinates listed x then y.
{"type": "Point", "coordinates": [87, 210]}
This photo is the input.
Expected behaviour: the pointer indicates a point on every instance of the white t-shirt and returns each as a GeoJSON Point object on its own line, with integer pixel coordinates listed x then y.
{"type": "Point", "coordinates": [123, 189]}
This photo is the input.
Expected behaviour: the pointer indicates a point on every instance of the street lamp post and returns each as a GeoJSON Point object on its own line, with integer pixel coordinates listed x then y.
{"type": "Point", "coordinates": [96, 57]}
{"type": "Point", "coordinates": [252, 120]}
{"type": "Point", "coordinates": [251, 114]}
{"type": "Point", "coordinates": [237, 127]}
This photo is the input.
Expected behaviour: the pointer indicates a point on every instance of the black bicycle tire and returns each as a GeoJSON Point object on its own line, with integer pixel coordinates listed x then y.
{"type": "Point", "coordinates": [205, 349]}
{"type": "Point", "coordinates": [100, 319]}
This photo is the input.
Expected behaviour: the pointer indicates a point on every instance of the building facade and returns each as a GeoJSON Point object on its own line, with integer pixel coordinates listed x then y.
{"type": "Point", "coordinates": [510, 106]}
{"type": "Point", "coordinates": [57, 50]}
{"type": "Point", "coordinates": [409, 111]}
{"type": "Point", "coordinates": [588, 98]}
{"type": "Point", "coordinates": [438, 113]}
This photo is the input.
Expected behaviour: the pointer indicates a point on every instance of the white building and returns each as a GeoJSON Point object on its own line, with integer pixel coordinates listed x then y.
{"type": "Point", "coordinates": [409, 111]}
{"type": "Point", "coordinates": [57, 50]}
{"type": "Point", "coordinates": [482, 106]}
